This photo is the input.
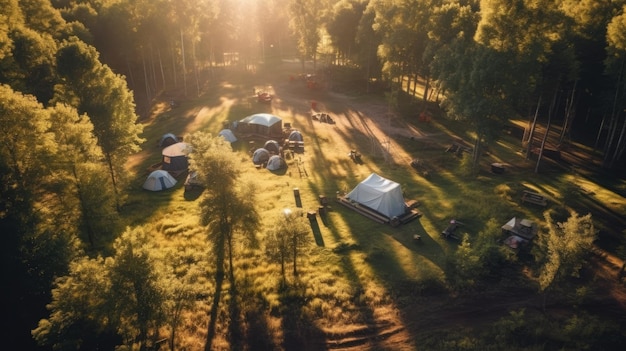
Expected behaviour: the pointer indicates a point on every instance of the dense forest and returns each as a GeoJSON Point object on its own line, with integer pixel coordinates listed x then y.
{"type": "Point", "coordinates": [78, 76]}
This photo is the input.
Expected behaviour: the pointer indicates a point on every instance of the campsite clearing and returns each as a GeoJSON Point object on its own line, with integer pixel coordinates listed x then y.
{"type": "Point", "coordinates": [367, 280]}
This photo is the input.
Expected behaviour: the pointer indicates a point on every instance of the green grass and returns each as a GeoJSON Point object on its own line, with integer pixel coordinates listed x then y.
{"type": "Point", "coordinates": [363, 269]}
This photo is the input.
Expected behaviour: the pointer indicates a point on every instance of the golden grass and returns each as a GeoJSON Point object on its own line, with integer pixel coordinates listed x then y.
{"type": "Point", "coordinates": [347, 281]}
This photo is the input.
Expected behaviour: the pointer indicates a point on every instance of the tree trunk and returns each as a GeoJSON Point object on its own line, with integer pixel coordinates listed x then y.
{"type": "Point", "coordinates": [619, 148]}
{"type": "Point", "coordinates": [545, 136]}
{"type": "Point", "coordinates": [182, 47]}
{"type": "Point", "coordinates": [568, 114]}
{"type": "Point", "coordinates": [531, 132]}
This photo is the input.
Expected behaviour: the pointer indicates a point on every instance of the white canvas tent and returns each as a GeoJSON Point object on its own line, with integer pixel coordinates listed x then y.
{"type": "Point", "coordinates": [260, 156]}
{"type": "Point", "coordinates": [275, 163]}
{"type": "Point", "coordinates": [175, 157]}
{"type": "Point", "coordinates": [261, 123]}
{"type": "Point", "coordinates": [159, 180]}
{"type": "Point", "coordinates": [381, 195]}
{"type": "Point", "coordinates": [228, 135]}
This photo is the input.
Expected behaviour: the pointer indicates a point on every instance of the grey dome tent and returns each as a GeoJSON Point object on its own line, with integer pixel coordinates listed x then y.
{"type": "Point", "coordinates": [262, 124]}
{"type": "Point", "coordinates": [175, 157]}
{"type": "Point", "coordinates": [159, 180]}
{"type": "Point", "coordinates": [272, 146]}
{"type": "Point", "coordinates": [295, 136]}
{"type": "Point", "coordinates": [260, 156]}
{"type": "Point", "coordinates": [167, 140]}
{"type": "Point", "coordinates": [381, 195]}
{"type": "Point", "coordinates": [228, 135]}
{"type": "Point", "coordinates": [275, 163]}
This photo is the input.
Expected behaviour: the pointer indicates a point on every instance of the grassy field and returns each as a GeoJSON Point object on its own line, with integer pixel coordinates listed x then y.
{"type": "Point", "coordinates": [356, 284]}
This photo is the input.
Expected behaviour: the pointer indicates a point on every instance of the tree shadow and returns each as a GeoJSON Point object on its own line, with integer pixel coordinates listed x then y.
{"type": "Point", "coordinates": [299, 333]}
{"type": "Point", "coordinates": [219, 280]}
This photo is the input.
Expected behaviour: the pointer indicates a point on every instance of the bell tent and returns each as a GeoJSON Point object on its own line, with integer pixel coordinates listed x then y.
{"type": "Point", "coordinates": [381, 195]}
{"type": "Point", "coordinates": [262, 124]}
{"type": "Point", "coordinates": [175, 157]}
{"type": "Point", "coordinates": [228, 135]}
{"type": "Point", "coordinates": [275, 163]}
{"type": "Point", "coordinates": [260, 156]}
{"type": "Point", "coordinates": [159, 180]}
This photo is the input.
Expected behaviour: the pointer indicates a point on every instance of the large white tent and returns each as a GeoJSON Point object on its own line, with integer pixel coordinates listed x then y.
{"type": "Point", "coordinates": [381, 195]}
{"type": "Point", "coordinates": [261, 123]}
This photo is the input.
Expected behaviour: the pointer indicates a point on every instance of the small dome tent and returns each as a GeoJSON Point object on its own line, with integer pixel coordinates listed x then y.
{"type": "Point", "coordinates": [167, 140]}
{"type": "Point", "coordinates": [295, 136]}
{"type": "Point", "coordinates": [260, 156]}
{"type": "Point", "coordinates": [275, 163]}
{"type": "Point", "coordinates": [272, 146]}
{"type": "Point", "coordinates": [175, 157]}
{"type": "Point", "coordinates": [228, 135]}
{"type": "Point", "coordinates": [159, 180]}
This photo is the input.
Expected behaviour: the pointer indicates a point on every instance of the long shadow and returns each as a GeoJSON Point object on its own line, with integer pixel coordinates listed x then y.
{"type": "Point", "coordinates": [299, 332]}
{"type": "Point", "coordinates": [219, 279]}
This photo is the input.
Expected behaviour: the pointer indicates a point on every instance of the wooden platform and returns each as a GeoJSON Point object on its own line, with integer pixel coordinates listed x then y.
{"type": "Point", "coordinates": [534, 198]}
{"type": "Point", "coordinates": [408, 216]}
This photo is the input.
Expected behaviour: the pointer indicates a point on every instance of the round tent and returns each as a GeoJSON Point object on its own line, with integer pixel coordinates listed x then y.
{"type": "Point", "coordinates": [295, 136]}
{"type": "Point", "coordinates": [275, 163]}
{"type": "Point", "coordinates": [261, 123]}
{"type": "Point", "coordinates": [228, 135]}
{"type": "Point", "coordinates": [159, 180]}
{"type": "Point", "coordinates": [272, 146]}
{"type": "Point", "coordinates": [260, 156]}
{"type": "Point", "coordinates": [167, 140]}
{"type": "Point", "coordinates": [175, 157]}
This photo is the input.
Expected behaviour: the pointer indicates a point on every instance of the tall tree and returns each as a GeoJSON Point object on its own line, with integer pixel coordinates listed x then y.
{"type": "Point", "coordinates": [288, 239]}
{"type": "Point", "coordinates": [306, 21]}
{"type": "Point", "coordinates": [227, 210]}
{"type": "Point", "coordinates": [106, 303]}
{"type": "Point", "coordinates": [616, 67]}
{"type": "Point", "coordinates": [96, 91]}
{"type": "Point", "coordinates": [563, 249]}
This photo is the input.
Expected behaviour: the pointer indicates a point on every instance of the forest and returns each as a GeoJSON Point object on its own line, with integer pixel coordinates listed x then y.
{"type": "Point", "coordinates": [86, 264]}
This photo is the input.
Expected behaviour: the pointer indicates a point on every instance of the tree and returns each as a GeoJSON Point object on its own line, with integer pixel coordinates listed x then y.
{"type": "Point", "coordinates": [289, 237]}
{"type": "Point", "coordinates": [227, 209]}
{"type": "Point", "coordinates": [107, 302]}
{"type": "Point", "coordinates": [84, 193]}
{"type": "Point", "coordinates": [563, 249]}
{"type": "Point", "coordinates": [615, 66]}
{"type": "Point", "coordinates": [306, 19]}
{"type": "Point", "coordinates": [136, 293]}
{"type": "Point", "coordinates": [95, 90]}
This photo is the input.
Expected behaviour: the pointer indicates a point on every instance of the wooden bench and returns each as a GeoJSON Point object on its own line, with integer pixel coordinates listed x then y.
{"type": "Point", "coordinates": [534, 198]}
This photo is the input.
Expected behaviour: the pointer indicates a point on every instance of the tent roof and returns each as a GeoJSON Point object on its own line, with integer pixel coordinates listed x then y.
{"type": "Point", "coordinates": [380, 194]}
{"type": "Point", "coordinates": [166, 137]}
{"type": "Point", "coordinates": [228, 135]}
{"type": "Point", "coordinates": [178, 149]}
{"type": "Point", "coordinates": [275, 162]}
{"type": "Point", "coordinates": [264, 119]}
{"type": "Point", "coordinates": [295, 136]}
{"type": "Point", "coordinates": [159, 180]}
